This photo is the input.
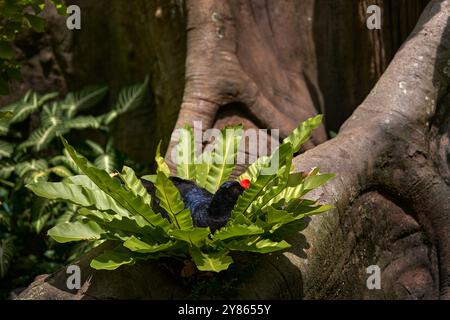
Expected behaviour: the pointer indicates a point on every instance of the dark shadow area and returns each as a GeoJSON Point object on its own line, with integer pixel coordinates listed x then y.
{"type": "Point", "coordinates": [350, 63]}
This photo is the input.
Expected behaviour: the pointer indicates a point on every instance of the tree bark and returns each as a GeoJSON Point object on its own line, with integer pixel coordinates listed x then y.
{"type": "Point", "coordinates": [269, 64]}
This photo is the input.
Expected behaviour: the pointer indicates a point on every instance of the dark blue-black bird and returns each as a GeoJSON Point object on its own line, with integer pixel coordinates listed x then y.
{"type": "Point", "coordinates": [207, 209]}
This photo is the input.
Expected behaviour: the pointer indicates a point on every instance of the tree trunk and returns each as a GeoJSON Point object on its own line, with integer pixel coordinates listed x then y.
{"type": "Point", "coordinates": [272, 64]}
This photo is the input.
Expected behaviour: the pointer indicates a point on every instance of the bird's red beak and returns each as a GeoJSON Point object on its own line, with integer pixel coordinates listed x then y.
{"type": "Point", "coordinates": [245, 183]}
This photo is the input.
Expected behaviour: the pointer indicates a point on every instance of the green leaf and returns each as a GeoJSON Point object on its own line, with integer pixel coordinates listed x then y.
{"type": "Point", "coordinates": [216, 262]}
{"type": "Point", "coordinates": [150, 177]}
{"type": "Point", "coordinates": [75, 231]}
{"type": "Point", "coordinates": [223, 157]}
{"type": "Point", "coordinates": [237, 230]}
{"type": "Point", "coordinates": [170, 199]}
{"type": "Point", "coordinates": [114, 223]}
{"type": "Point", "coordinates": [134, 204]}
{"type": "Point", "coordinates": [6, 149]}
{"type": "Point", "coordinates": [261, 246]}
{"type": "Point", "coordinates": [302, 133]}
{"type": "Point", "coordinates": [134, 184]}
{"type": "Point", "coordinates": [193, 235]}
{"type": "Point", "coordinates": [83, 99]}
{"type": "Point", "coordinates": [186, 154]}
{"type": "Point", "coordinates": [260, 182]}
{"type": "Point", "coordinates": [162, 165]}
{"type": "Point", "coordinates": [112, 259]}
{"type": "Point", "coordinates": [313, 182]}
{"type": "Point", "coordinates": [134, 244]}
{"type": "Point", "coordinates": [80, 195]}
{"type": "Point", "coordinates": [202, 167]}
{"type": "Point", "coordinates": [107, 162]}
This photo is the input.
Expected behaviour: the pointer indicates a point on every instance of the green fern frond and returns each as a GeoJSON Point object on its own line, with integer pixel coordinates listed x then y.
{"type": "Point", "coordinates": [223, 157]}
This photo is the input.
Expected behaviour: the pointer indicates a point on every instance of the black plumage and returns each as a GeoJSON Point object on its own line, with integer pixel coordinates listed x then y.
{"type": "Point", "coordinates": [207, 209]}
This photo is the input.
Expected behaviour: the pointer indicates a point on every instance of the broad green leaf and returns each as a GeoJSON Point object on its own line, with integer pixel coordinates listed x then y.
{"type": "Point", "coordinates": [134, 204]}
{"type": "Point", "coordinates": [112, 259]}
{"type": "Point", "coordinates": [75, 231]}
{"type": "Point", "coordinates": [150, 177]}
{"type": "Point", "coordinates": [223, 157]}
{"type": "Point", "coordinates": [134, 184]}
{"type": "Point", "coordinates": [80, 195]}
{"type": "Point", "coordinates": [302, 133]}
{"type": "Point", "coordinates": [252, 172]}
{"type": "Point", "coordinates": [316, 181]}
{"type": "Point", "coordinates": [237, 230]}
{"type": "Point", "coordinates": [260, 182]}
{"type": "Point", "coordinates": [202, 167]}
{"type": "Point", "coordinates": [170, 198]}
{"type": "Point", "coordinates": [261, 246]}
{"type": "Point", "coordinates": [186, 153]}
{"type": "Point", "coordinates": [107, 162]}
{"type": "Point", "coordinates": [162, 165]}
{"type": "Point", "coordinates": [194, 236]}
{"type": "Point", "coordinates": [134, 244]}
{"type": "Point", "coordinates": [216, 262]}
{"type": "Point", "coordinates": [114, 222]}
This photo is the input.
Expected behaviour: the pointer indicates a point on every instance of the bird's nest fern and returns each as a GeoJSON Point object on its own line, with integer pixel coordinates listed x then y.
{"type": "Point", "coordinates": [148, 225]}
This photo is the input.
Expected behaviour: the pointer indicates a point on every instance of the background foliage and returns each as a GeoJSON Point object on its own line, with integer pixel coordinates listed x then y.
{"type": "Point", "coordinates": [14, 16]}
{"type": "Point", "coordinates": [29, 153]}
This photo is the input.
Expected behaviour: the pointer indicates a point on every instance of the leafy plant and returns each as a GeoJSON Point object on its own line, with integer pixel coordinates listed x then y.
{"type": "Point", "coordinates": [14, 16]}
{"type": "Point", "coordinates": [119, 208]}
{"type": "Point", "coordinates": [39, 156]}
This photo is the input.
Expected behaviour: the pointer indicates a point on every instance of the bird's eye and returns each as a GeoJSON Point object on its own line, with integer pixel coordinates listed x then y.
{"type": "Point", "coordinates": [245, 183]}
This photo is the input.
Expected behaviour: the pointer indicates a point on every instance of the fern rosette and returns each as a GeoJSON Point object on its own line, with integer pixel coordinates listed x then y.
{"type": "Point", "coordinates": [118, 207]}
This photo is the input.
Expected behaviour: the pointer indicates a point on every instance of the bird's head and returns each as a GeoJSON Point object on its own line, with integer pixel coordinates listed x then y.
{"type": "Point", "coordinates": [225, 198]}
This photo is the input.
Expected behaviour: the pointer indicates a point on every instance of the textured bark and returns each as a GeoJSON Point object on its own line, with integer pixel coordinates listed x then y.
{"type": "Point", "coordinates": [267, 64]}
